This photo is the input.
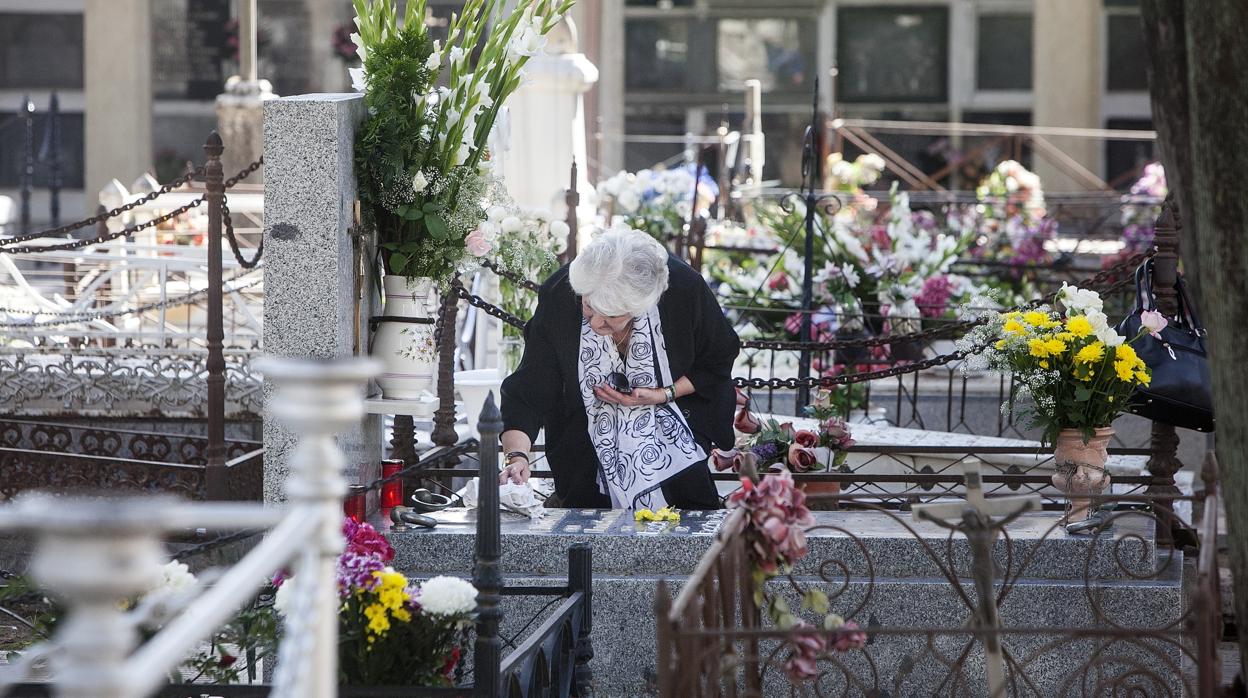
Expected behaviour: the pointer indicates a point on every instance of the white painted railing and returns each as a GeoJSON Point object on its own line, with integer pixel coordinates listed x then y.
{"type": "Point", "coordinates": [96, 554]}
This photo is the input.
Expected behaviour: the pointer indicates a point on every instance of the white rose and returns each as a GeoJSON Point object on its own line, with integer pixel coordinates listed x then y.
{"type": "Point", "coordinates": [281, 600]}
{"type": "Point", "coordinates": [447, 596]}
{"type": "Point", "coordinates": [419, 182]}
{"type": "Point", "coordinates": [175, 576]}
{"type": "Point", "coordinates": [1075, 299]}
{"type": "Point", "coordinates": [1109, 336]}
{"type": "Point", "coordinates": [496, 213]}
{"type": "Point", "coordinates": [489, 231]}
{"type": "Point", "coordinates": [559, 230]}
{"type": "Point", "coordinates": [511, 224]}
{"type": "Point", "coordinates": [628, 200]}
{"type": "Point", "coordinates": [542, 215]}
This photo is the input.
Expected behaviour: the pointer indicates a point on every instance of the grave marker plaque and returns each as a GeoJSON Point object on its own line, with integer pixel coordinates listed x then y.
{"type": "Point", "coordinates": [190, 42]}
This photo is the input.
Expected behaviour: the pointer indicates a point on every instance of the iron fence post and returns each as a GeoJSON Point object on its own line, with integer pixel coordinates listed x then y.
{"type": "Point", "coordinates": [444, 433]}
{"type": "Point", "coordinates": [809, 173]}
{"type": "Point", "coordinates": [27, 115]}
{"type": "Point", "coordinates": [1164, 441]}
{"type": "Point", "coordinates": [487, 576]}
{"type": "Point", "coordinates": [573, 199]}
{"type": "Point", "coordinates": [214, 473]}
{"type": "Point", "coordinates": [54, 144]}
{"type": "Point", "coordinates": [581, 578]}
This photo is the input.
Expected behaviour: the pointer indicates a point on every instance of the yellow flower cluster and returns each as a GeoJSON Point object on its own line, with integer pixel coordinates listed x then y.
{"type": "Point", "coordinates": [664, 514]}
{"type": "Point", "coordinates": [1073, 344]}
{"type": "Point", "coordinates": [390, 598]}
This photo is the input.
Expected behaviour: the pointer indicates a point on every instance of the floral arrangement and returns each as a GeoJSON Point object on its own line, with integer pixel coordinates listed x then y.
{"type": "Point", "coordinates": [1140, 209]}
{"type": "Point", "coordinates": [663, 515]}
{"type": "Point", "coordinates": [775, 536]}
{"type": "Point", "coordinates": [421, 157]}
{"type": "Point", "coordinates": [846, 176]}
{"type": "Point", "coordinates": [776, 445]}
{"type": "Point", "coordinates": [658, 201]}
{"type": "Point", "coordinates": [1079, 372]}
{"type": "Point", "coordinates": [393, 632]}
{"type": "Point", "coordinates": [1010, 219]}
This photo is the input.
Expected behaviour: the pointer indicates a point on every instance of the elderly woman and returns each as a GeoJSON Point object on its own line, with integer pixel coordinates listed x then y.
{"type": "Point", "coordinates": [627, 366]}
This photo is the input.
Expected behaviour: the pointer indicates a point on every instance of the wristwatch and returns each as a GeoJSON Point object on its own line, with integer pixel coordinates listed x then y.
{"type": "Point", "coordinates": [671, 393]}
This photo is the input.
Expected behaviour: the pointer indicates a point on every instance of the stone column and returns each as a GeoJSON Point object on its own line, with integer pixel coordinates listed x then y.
{"type": "Point", "coordinates": [547, 129]}
{"type": "Point", "coordinates": [117, 58]}
{"type": "Point", "coordinates": [1067, 69]}
{"type": "Point", "coordinates": [310, 261]}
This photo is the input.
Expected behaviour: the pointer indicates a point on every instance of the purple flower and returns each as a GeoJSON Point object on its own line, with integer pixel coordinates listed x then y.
{"type": "Point", "coordinates": [356, 572]}
{"type": "Point", "coordinates": [765, 451]}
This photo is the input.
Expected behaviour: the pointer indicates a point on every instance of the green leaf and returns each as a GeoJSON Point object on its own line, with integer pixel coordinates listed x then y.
{"type": "Point", "coordinates": [816, 600]}
{"type": "Point", "coordinates": [1083, 393]}
{"type": "Point", "coordinates": [437, 227]}
{"type": "Point", "coordinates": [432, 207]}
{"type": "Point", "coordinates": [398, 261]}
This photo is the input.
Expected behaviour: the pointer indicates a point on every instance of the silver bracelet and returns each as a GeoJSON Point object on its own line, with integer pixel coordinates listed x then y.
{"type": "Point", "coordinates": [671, 393]}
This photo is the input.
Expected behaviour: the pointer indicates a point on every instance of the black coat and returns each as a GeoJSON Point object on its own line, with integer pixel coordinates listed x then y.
{"type": "Point", "coordinates": [544, 392]}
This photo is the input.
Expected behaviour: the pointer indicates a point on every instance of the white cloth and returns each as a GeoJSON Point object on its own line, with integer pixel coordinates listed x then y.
{"type": "Point", "coordinates": [518, 498]}
{"type": "Point", "coordinates": [638, 447]}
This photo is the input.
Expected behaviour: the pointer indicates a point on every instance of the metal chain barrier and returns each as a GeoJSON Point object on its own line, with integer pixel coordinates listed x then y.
{"type": "Point", "coordinates": [228, 224]}
{"type": "Point", "coordinates": [245, 172]}
{"type": "Point", "coordinates": [851, 378]}
{"type": "Point", "coordinates": [101, 217]}
{"type": "Point", "coordinates": [486, 306]}
{"type": "Point", "coordinates": [513, 278]}
{"type": "Point", "coordinates": [214, 544]}
{"type": "Point", "coordinates": [71, 318]}
{"type": "Point", "coordinates": [78, 244]}
{"type": "Point", "coordinates": [438, 458]}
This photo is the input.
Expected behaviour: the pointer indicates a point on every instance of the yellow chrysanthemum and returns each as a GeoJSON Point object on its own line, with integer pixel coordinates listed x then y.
{"type": "Point", "coordinates": [1124, 353]}
{"type": "Point", "coordinates": [1079, 326]}
{"type": "Point", "coordinates": [402, 614]}
{"type": "Point", "coordinates": [1143, 378]}
{"type": "Point", "coordinates": [1055, 346]}
{"type": "Point", "coordinates": [1064, 336]}
{"type": "Point", "coordinates": [1125, 370]}
{"type": "Point", "coordinates": [1035, 318]}
{"type": "Point", "coordinates": [1000, 344]}
{"type": "Point", "coordinates": [378, 620]}
{"type": "Point", "coordinates": [1014, 327]}
{"type": "Point", "coordinates": [1090, 354]}
{"type": "Point", "coordinates": [1038, 348]}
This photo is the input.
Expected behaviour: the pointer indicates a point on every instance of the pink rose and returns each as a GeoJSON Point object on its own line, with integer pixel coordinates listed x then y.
{"type": "Point", "coordinates": [1154, 322]}
{"type": "Point", "coordinates": [801, 459]}
{"type": "Point", "coordinates": [807, 646]}
{"type": "Point", "coordinates": [742, 398]}
{"type": "Point", "coordinates": [778, 281]}
{"type": "Point", "coordinates": [745, 422]}
{"type": "Point", "coordinates": [848, 637]}
{"type": "Point", "coordinates": [806, 438]}
{"type": "Point", "coordinates": [476, 243]}
{"type": "Point", "coordinates": [788, 430]}
{"type": "Point", "coordinates": [725, 460]}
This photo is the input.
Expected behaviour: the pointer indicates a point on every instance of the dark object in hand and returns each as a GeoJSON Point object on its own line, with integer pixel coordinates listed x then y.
{"type": "Point", "coordinates": [619, 383]}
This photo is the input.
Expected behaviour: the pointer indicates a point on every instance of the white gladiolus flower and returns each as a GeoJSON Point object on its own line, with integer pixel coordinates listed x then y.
{"type": "Point", "coordinates": [850, 274]}
{"type": "Point", "coordinates": [359, 79]}
{"type": "Point", "coordinates": [419, 182]}
{"type": "Point", "coordinates": [359, 46]}
{"type": "Point", "coordinates": [483, 95]}
{"type": "Point", "coordinates": [461, 154]}
{"type": "Point", "coordinates": [457, 54]}
{"type": "Point", "coordinates": [447, 596]}
{"type": "Point", "coordinates": [526, 42]}
{"type": "Point", "coordinates": [433, 61]}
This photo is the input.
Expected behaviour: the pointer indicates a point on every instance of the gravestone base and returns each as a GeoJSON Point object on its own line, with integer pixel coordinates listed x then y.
{"type": "Point", "coordinates": [900, 575]}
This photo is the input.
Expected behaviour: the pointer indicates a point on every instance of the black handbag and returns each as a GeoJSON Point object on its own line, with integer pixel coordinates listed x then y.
{"type": "Point", "coordinates": [1180, 392]}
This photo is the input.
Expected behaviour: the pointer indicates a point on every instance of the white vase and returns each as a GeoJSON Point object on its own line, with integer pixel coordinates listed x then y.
{"type": "Point", "coordinates": [407, 350]}
{"type": "Point", "coordinates": [473, 386]}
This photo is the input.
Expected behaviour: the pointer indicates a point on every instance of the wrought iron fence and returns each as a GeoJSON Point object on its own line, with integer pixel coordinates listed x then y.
{"type": "Point", "coordinates": [982, 640]}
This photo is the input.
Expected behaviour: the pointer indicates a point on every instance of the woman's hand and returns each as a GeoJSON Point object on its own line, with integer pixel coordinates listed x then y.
{"type": "Point", "coordinates": [516, 471]}
{"type": "Point", "coordinates": [639, 396]}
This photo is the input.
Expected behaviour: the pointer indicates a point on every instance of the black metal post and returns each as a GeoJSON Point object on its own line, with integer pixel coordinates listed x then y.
{"type": "Point", "coordinates": [572, 199]}
{"type": "Point", "coordinates": [214, 475]}
{"type": "Point", "coordinates": [54, 144]}
{"type": "Point", "coordinates": [808, 281]}
{"type": "Point", "coordinates": [27, 115]}
{"type": "Point", "coordinates": [1164, 441]}
{"type": "Point", "coordinates": [581, 578]}
{"type": "Point", "coordinates": [444, 433]}
{"type": "Point", "coordinates": [487, 576]}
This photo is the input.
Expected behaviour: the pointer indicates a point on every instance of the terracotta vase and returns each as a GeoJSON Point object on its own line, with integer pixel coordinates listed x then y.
{"type": "Point", "coordinates": [1081, 472]}
{"type": "Point", "coordinates": [827, 457]}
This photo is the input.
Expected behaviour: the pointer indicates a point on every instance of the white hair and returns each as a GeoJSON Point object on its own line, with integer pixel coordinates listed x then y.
{"type": "Point", "coordinates": [622, 272]}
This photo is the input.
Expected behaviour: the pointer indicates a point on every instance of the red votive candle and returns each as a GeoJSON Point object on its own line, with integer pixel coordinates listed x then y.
{"type": "Point", "coordinates": [391, 492]}
{"type": "Point", "coordinates": [355, 503]}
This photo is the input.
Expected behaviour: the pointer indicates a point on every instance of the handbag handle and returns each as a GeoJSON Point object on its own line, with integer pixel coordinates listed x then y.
{"type": "Point", "coordinates": [1146, 299]}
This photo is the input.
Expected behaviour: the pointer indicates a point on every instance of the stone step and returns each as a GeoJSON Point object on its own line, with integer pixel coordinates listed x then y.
{"type": "Point", "coordinates": [868, 543]}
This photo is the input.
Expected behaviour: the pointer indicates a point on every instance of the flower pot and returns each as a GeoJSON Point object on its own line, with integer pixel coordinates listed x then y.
{"type": "Point", "coordinates": [473, 387]}
{"type": "Point", "coordinates": [1080, 467]}
{"type": "Point", "coordinates": [404, 345]}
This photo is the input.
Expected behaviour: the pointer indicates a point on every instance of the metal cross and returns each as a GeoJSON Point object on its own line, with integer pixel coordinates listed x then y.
{"type": "Point", "coordinates": [981, 530]}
